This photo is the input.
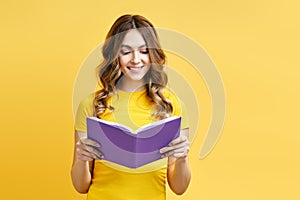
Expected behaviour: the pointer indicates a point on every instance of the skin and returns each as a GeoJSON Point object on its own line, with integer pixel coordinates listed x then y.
{"type": "Point", "coordinates": [134, 63]}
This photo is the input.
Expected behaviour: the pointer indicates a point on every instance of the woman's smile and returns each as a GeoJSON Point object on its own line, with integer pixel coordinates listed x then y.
{"type": "Point", "coordinates": [134, 61]}
{"type": "Point", "coordinates": [135, 69]}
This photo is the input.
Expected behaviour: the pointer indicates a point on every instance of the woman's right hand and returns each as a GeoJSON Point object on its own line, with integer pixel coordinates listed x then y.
{"type": "Point", "coordinates": [86, 150]}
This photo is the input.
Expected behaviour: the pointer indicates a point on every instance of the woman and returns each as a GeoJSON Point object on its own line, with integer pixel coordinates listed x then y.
{"type": "Point", "coordinates": [133, 92]}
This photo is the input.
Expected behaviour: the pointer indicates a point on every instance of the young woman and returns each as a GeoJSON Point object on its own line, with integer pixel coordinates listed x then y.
{"type": "Point", "coordinates": [133, 92]}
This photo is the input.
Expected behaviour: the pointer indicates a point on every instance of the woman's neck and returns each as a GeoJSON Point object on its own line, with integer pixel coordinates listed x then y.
{"type": "Point", "coordinates": [130, 85]}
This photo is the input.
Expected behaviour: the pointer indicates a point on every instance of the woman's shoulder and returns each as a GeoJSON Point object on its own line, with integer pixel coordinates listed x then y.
{"type": "Point", "coordinates": [169, 94]}
{"type": "Point", "coordinates": [177, 103]}
{"type": "Point", "coordinates": [179, 108]}
{"type": "Point", "coordinates": [84, 110]}
{"type": "Point", "coordinates": [86, 104]}
{"type": "Point", "coordinates": [88, 99]}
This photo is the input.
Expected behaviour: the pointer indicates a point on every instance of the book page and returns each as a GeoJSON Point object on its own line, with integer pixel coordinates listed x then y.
{"type": "Point", "coordinates": [114, 124]}
{"type": "Point", "coordinates": [157, 123]}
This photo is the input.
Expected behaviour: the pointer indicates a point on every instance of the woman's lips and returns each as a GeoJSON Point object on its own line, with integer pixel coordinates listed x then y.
{"type": "Point", "coordinates": [135, 68]}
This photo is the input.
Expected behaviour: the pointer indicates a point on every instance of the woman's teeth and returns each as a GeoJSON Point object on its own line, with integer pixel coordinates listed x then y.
{"type": "Point", "coordinates": [135, 68]}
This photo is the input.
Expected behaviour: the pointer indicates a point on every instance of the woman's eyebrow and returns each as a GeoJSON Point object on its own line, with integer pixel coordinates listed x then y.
{"type": "Point", "coordinates": [129, 47]}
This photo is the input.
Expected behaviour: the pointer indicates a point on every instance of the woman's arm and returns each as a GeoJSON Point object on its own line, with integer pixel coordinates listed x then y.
{"type": "Point", "coordinates": [84, 155]}
{"type": "Point", "coordinates": [178, 171]}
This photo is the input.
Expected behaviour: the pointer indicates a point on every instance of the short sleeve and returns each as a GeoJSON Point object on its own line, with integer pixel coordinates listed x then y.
{"type": "Point", "coordinates": [184, 115]}
{"type": "Point", "coordinates": [84, 110]}
{"type": "Point", "coordinates": [179, 109]}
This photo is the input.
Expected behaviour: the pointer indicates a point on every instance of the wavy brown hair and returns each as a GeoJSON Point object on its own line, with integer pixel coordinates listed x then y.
{"type": "Point", "coordinates": [108, 72]}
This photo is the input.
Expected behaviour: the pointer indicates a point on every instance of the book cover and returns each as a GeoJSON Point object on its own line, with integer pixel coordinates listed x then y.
{"type": "Point", "coordinates": [120, 145]}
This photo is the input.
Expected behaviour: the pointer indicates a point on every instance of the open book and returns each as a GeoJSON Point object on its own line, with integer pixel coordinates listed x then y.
{"type": "Point", "coordinates": [120, 145]}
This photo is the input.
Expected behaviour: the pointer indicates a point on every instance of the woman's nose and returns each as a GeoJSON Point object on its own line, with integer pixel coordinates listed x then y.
{"type": "Point", "coordinates": [136, 56]}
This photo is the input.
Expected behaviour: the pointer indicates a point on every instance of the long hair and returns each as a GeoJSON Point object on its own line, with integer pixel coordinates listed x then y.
{"type": "Point", "coordinates": [108, 72]}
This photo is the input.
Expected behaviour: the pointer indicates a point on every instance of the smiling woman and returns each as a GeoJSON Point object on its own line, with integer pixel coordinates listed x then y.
{"type": "Point", "coordinates": [134, 61]}
{"type": "Point", "coordinates": [133, 92]}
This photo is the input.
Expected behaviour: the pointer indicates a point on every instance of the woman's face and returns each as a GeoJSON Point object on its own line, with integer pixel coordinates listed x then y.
{"type": "Point", "coordinates": [134, 56]}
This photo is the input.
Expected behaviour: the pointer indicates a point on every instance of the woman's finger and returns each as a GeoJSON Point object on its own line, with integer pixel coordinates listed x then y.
{"type": "Point", "coordinates": [88, 151]}
{"type": "Point", "coordinates": [178, 140]}
{"type": "Point", "coordinates": [171, 148]}
{"type": "Point", "coordinates": [94, 151]}
{"type": "Point", "coordinates": [179, 147]}
{"type": "Point", "coordinates": [90, 142]}
{"type": "Point", "coordinates": [177, 143]}
{"type": "Point", "coordinates": [176, 153]}
{"type": "Point", "coordinates": [84, 155]}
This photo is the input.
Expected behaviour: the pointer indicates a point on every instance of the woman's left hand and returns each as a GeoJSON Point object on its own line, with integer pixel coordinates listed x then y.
{"type": "Point", "coordinates": [177, 148]}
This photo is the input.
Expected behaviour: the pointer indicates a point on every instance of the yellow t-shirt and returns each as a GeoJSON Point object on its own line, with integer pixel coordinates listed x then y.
{"type": "Point", "coordinates": [116, 182]}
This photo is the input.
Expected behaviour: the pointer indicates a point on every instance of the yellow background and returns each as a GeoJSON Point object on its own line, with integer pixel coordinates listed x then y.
{"type": "Point", "coordinates": [254, 44]}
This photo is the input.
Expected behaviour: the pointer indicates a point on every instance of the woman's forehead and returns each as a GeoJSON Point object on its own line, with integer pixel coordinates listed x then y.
{"type": "Point", "coordinates": [133, 39]}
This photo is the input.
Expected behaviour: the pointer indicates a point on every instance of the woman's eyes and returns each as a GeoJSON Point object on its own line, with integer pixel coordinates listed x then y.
{"type": "Point", "coordinates": [126, 52]}
{"type": "Point", "coordinates": [144, 51]}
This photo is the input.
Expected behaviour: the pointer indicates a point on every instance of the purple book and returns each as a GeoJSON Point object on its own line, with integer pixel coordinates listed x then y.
{"type": "Point", "coordinates": [120, 145]}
